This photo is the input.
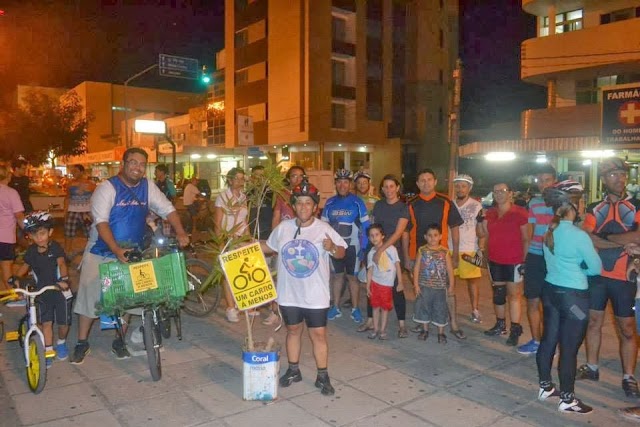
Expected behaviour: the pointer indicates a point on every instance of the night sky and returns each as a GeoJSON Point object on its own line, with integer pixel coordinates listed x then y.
{"type": "Point", "coordinates": [62, 43]}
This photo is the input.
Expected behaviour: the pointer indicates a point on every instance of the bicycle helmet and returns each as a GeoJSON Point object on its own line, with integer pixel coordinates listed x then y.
{"type": "Point", "coordinates": [611, 164]}
{"type": "Point", "coordinates": [343, 174]}
{"type": "Point", "coordinates": [464, 177]}
{"type": "Point", "coordinates": [36, 220]}
{"type": "Point", "coordinates": [361, 174]}
{"type": "Point", "coordinates": [562, 193]}
{"type": "Point", "coordinates": [305, 189]}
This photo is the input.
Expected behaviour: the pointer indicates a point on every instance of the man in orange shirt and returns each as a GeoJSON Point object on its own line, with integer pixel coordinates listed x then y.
{"type": "Point", "coordinates": [612, 223]}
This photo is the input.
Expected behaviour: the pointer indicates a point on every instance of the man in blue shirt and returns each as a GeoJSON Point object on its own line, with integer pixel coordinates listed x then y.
{"type": "Point", "coordinates": [347, 214]}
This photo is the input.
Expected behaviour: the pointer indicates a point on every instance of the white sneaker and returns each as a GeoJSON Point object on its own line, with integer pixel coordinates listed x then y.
{"type": "Point", "coordinates": [574, 407]}
{"type": "Point", "coordinates": [136, 336]}
{"type": "Point", "coordinates": [232, 315]}
{"type": "Point", "coordinates": [545, 394]}
{"type": "Point", "coordinates": [272, 319]}
{"type": "Point", "coordinates": [254, 313]}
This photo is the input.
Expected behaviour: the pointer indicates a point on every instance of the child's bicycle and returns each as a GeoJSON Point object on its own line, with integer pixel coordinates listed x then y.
{"type": "Point", "coordinates": [30, 337]}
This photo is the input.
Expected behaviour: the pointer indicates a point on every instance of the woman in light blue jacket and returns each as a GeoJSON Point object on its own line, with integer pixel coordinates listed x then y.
{"type": "Point", "coordinates": [570, 257]}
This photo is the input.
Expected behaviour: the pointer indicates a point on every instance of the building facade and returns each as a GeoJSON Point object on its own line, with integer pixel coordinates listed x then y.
{"type": "Point", "coordinates": [343, 83]}
{"type": "Point", "coordinates": [582, 46]}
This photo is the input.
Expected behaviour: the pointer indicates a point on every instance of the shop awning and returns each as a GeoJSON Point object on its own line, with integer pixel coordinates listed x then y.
{"type": "Point", "coordinates": [532, 146]}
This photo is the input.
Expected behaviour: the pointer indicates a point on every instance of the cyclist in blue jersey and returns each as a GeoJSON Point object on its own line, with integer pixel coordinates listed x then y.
{"type": "Point", "coordinates": [347, 215]}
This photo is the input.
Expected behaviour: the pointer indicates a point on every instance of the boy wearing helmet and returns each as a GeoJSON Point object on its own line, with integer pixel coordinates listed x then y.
{"type": "Point", "coordinates": [305, 245]}
{"type": "Point", "coordinates": [611, 224]}
{"type": "Point", "coordinates": [46, 260]}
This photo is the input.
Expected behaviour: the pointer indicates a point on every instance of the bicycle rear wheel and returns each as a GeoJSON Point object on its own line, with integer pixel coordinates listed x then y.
{"type": "Point", "coordinates": [151, 336]}
{"type": "Point", "coordinates": [198, 302]}
{"type": "Point", "coordinates": [37, 368]}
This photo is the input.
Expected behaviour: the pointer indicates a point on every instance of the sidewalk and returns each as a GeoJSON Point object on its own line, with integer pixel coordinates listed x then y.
{"type": "Point", "coordinates": [401, 382]}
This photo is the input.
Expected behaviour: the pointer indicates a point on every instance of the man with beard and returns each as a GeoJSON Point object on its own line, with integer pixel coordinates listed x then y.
{"type": "Point", "coordinates": [119, 208]}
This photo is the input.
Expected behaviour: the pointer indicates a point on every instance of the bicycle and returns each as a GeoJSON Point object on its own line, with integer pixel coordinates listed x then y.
{"type": "Point", "coordinates": [203, 296]}
{"type": "Point", "coordinates": [30, 337]}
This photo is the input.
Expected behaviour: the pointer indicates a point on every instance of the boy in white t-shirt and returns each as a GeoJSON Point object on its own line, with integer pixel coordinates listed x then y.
{"type": "Point", "coordinates": [380, 280]}
{"type": "Point", "coordinates": [305, 245]}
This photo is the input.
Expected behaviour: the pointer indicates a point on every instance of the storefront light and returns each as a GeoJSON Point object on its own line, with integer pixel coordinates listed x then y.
{"type": "Point", "coordinates": [500, 156]}
{"type": "Point", "coordinates": [195, 156]}
{"type": "Point", "coordinates": [541, 159]}
{"type": "Point", "coordinates": [598, 154]}
{"type": "Point", "coordinates": [586, 162]}
{"type": "Point", "coordinates": [263, 157]}
{"type": "Point", "coordinates": [211, 156]}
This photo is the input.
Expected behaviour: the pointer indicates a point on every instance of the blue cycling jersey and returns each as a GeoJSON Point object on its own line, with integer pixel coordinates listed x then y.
{"type": "Point", "coordinates": [344, 213]}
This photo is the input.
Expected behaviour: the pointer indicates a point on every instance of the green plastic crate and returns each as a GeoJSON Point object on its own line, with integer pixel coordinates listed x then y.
{"type": "Point", "coordinates": [118, 287]}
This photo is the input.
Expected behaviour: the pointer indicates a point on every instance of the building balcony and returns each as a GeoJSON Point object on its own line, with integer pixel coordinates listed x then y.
{"type": "Point", "coordinates": [250, 54]}
{"type": "Point", "coordinates": [575, 121]}
{"type": "Point", "coordinates": [541, 7]}
{"type": "Point", "coordinates": [343, 92]}
{"type": "Point", "coordinates": [252, 13]}
{"type": "Point", "coordinates": [342, 48]}
{"type": "Point", "coordinates": [596, 51]}
{"type": "Point", "coordinates": [251, 93]}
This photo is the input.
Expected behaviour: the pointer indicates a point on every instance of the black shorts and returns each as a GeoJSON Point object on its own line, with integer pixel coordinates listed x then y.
{"type": "Point", "coordinates": [7, 251]}
{"type": "Point", "coordinates": [54, 307]}
{"type": "Point", "coordinates": [346, 264]}
{"type": "Point", "coordinates": [621, 293]}
{"type": "Point", "coordinates": [504, 272]}
{"type": "Point", "coordinates": [535, 271]}
{"type": "Point", "coordinates": [313, 317]}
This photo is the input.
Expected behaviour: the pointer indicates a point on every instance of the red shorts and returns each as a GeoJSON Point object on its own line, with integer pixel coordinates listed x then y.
{"type": "Point", "coordinates": [381, 296]}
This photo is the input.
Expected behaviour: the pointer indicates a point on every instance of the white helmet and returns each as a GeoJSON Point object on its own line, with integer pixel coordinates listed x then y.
{"type": "Point", "coordinates": [464, 177]}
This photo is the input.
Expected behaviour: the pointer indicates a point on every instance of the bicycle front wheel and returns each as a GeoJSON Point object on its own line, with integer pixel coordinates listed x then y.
{"type": "Point", "coordinates": [199, 302]}
{"type": "Point", "coordinates": [151, 337]}
{"type": "Point", "coordinates": [37, 365]}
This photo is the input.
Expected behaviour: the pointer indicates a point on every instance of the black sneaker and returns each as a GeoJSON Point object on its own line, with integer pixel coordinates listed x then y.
{"type": "Point", "coordinates": [514, 335]}
{"type": "Point", "coordinates": [576, 406]}
{"type": "Point", "coordinates": [324, 384]}
{"type": "Point", "coordinates": [498, 329]}
{"type": "Point", "coordinates": [80, 351]}
{"type": "Point", "coordinates": [290, 377]}
{"type": "Point", "coordinates": [586, 373]}
{"type": "Point", "coordinates": [630, 387]}
{"type": "Point", "coordinates": [120, 349]}
{"type": "Point", "coordinates": [546, 393]}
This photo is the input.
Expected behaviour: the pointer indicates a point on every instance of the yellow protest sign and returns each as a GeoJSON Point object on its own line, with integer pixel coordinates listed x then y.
{"type": "Point", "coordinates": [248, 276]}
{"type": "Point", "coordinates": [143, 276]}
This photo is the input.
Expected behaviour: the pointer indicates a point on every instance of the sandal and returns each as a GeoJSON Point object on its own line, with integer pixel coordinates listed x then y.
{"type": "Point", "coordinates": [373, 335]}
{"type": "Point", "coordinates": [417, 329]}
{"type": "Point", "coordinates": [423, 335]}
{"type": "Point", "coordinates": [364, 328]}
{"type": "Point", "coordinates": [382, 336]}
{"type": "Point", "coordinates": [442, 339]}
{"type": "Point", "coordinates": [402, 333]}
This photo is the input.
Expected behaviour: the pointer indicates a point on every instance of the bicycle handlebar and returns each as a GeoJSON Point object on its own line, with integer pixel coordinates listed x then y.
{"type": "Point", "coordinates": [38, 292]}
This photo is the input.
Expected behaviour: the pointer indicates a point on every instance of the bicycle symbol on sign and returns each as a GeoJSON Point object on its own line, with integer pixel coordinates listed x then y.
{"type": "Point", "coordinates": [241, 281]}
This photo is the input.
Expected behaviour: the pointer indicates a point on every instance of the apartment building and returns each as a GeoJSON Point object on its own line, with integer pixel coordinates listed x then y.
{"type": "Point", "coordinates": [582, 46]}
{"type": "Point", "coordinates": [342, 83]}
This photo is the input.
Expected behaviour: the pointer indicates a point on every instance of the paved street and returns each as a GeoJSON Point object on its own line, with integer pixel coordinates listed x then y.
{"type": "Point", "coordinates": [400, 382]}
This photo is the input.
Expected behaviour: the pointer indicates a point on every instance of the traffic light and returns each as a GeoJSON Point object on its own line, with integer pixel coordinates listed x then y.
{"type": "Point", "coordinates": [205, 77]}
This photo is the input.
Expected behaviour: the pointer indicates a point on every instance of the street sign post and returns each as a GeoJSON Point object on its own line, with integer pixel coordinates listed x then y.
{"type": "Point", "coordinates": [179, 67]}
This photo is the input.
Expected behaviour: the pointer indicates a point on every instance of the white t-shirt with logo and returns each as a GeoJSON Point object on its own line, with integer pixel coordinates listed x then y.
{"type": "Point", "coordinates": [303, 264]}
{"type": "Point", "coordinates": [468, 237]}
{"type": "Point", "coordinates": [384, 272]}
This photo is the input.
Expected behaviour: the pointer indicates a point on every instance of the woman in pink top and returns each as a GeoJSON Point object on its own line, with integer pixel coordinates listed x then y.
{"type": "Point", "coordinates": [506, 229]}
{"type": "Point", "coordinates": [11, 214]}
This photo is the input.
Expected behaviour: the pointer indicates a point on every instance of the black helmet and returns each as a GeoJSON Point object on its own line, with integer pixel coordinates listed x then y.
{"type": "Point", "coordinates": [343, 174]}
{"type": "Point", "coordinates": [561, 193]}
{"type": "Point", "coordinates": [305, 189]}
{"type": "Point", "coordinates": [36, 220]}
{"type": "Point", "coordinates": [611, 164]}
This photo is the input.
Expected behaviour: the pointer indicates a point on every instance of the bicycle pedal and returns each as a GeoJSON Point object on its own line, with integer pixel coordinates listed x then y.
{"type": "Point", "coordinates": [11, 336]}
{"type": "Point", "coordinates": [49, 354]}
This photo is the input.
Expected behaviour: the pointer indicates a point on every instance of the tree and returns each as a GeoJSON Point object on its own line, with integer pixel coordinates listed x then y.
{"type": "Point", "coordinates": [45, 128]}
